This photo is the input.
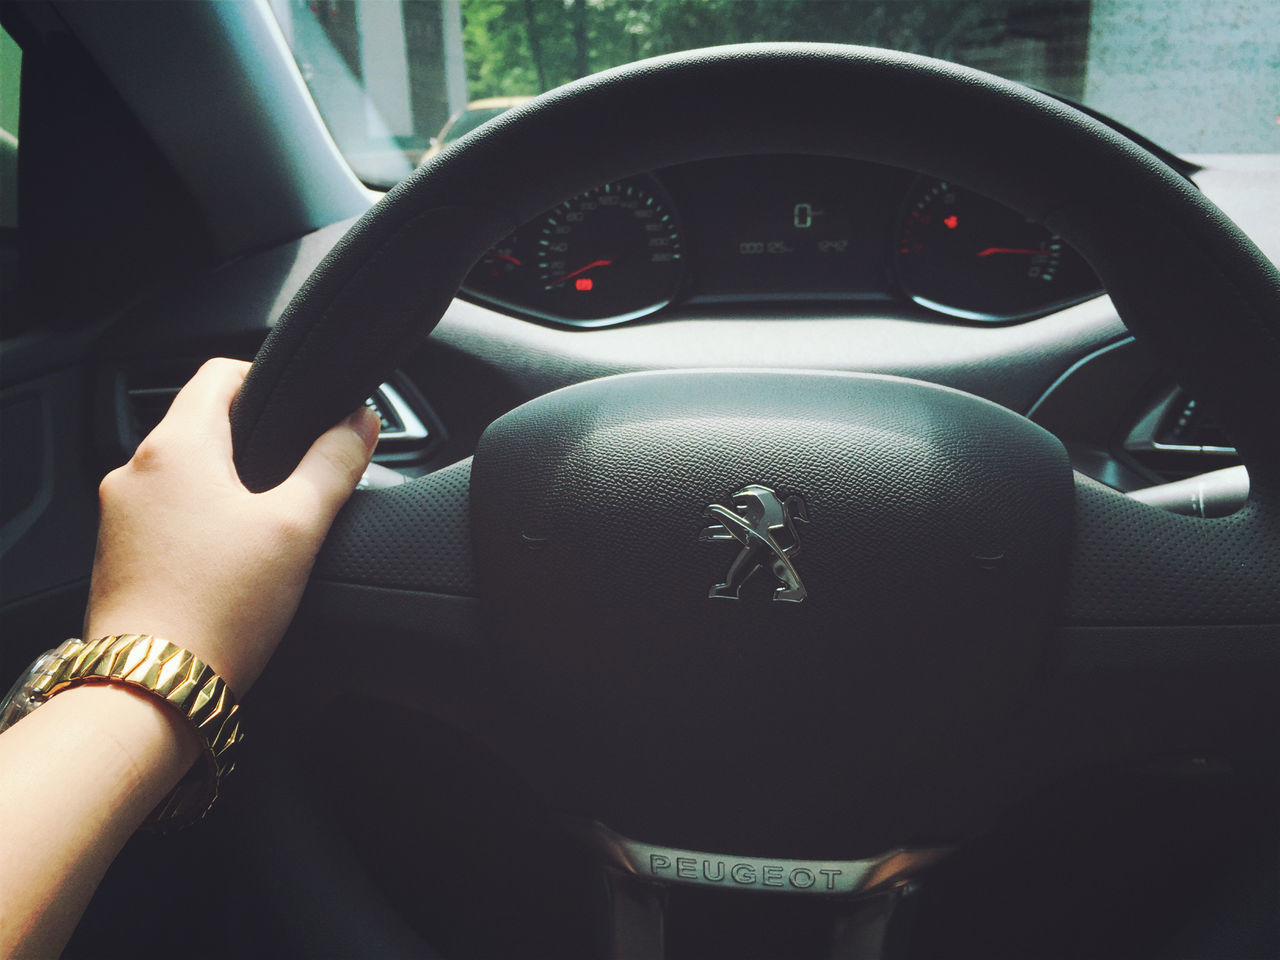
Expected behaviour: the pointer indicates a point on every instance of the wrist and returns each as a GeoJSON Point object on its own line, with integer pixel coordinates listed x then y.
{"type": "Point", "coordinates": [149, 745]}
{"type": "Point", "coordinates": [81, 774]}
{"type": "Point", "coordinates": [174, 680]}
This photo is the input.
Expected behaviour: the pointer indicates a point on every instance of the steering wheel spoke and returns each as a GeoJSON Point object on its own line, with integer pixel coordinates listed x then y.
{"type": "Point", "coordinates": [398, 561]}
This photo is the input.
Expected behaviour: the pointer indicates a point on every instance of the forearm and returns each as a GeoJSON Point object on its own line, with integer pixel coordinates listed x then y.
{"type": "Point", "coordinates": [186, 552]}
{"type": "Point", "coordinates": [77, 777]}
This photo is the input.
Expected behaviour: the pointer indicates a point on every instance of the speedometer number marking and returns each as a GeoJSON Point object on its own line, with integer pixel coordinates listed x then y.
{"type": "Point", "coordinates": [613, 250]}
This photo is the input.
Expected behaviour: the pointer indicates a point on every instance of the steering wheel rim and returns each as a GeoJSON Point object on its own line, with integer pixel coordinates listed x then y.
{"type": "Point", "coordinates": [1177, 268]}
{"type": "Point", "coordinates": [1187, 282]}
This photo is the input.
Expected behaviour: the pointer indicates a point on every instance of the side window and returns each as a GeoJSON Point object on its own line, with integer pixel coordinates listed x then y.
{"type": "Point", "coordinates": [10, 76]}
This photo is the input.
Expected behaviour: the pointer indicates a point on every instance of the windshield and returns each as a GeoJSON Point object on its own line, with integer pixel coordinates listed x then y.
{"type": "Point", "coordinates": [396, 79]}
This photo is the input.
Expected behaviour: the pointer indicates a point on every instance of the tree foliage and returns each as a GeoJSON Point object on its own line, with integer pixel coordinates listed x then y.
{"type": "Point", "coordinates": [526, 46]}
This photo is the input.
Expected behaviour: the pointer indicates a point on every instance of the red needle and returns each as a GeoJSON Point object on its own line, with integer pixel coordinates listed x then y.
{"type": "Point", "coordinates": [503, 256]}
{"type": "Point", "coordinates": [990, 250]}
{"type": "Point", "coordinates": [593, 263]}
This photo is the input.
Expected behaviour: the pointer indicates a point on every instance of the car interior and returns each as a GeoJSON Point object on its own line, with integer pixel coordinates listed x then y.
{"type": "Point", "coordinates": [827, 504]}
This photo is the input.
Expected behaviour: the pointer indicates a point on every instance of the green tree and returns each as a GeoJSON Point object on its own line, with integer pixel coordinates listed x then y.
{"type": "Point", "coordinates": [527, 46]}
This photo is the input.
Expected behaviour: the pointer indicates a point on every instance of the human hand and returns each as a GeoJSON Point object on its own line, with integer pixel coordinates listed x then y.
{"type": "Point", "coordinates": [186, 553]}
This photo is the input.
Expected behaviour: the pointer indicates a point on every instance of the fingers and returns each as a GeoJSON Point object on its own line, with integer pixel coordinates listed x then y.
{"type": "Point", "coordinates": [198, 417]}
{"type": "Point", "coordinates": [201, 407]}
{"type": "Point", "coordinates": [319, 485]}
{"type": "Point", "coordinates": [213, 387]}
{"type": "Point", "coordinates": [333, 466]}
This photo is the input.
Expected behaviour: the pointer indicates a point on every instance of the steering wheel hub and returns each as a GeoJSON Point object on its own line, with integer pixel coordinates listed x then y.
{"type": "Point", "coordinates": [935, 544]}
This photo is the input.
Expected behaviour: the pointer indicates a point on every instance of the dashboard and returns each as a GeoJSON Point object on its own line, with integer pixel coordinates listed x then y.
{"type": "Point", "coordinates": [858, 258]}
{"type": "Point", "coordinates": [786, 228]}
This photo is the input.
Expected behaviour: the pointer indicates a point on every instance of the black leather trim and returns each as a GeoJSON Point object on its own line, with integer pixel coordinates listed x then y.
{"type": "Point", "coordinates": [415, 536]}
{"type": "Point", "coordinates": [1137, 564]}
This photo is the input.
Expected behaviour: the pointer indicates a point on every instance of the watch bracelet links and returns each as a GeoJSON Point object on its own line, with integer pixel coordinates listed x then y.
{"type": "Point", "coordinates": [180, 679]}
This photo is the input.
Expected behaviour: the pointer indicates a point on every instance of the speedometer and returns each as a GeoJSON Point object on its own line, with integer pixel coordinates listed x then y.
{"type": "Point", "coordinates": [612, 252]}
{"type": "Point", "coordinates": [966, 255]}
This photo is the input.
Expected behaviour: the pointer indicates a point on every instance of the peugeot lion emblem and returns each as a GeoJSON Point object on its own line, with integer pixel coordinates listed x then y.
{"type": "Point", "coordinates": [764, 525]}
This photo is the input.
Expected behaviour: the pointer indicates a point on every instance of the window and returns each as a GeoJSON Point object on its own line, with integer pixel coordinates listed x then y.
{"type": "Point", "coordinates": [10, 79]}
{"type": "Point", "coordinates": [387, 76]}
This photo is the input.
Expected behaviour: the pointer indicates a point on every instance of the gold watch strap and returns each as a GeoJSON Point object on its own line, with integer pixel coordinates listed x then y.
{"type": "Point", "coordinates": [179, 678]}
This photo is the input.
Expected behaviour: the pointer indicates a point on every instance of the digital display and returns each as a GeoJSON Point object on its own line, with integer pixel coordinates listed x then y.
{"type": "Point", "coordinates": [782, 225]}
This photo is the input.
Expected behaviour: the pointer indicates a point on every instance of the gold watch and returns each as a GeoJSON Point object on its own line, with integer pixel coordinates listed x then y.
{"type": "Point", "coordinates": [164, 670]}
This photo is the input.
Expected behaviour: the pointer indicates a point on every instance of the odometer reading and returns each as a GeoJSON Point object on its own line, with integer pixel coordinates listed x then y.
{"type": "Point", "coordinates": [808, 230]}
{"type": "Point", "coordinates": [614, 251]}
{"type": "Point", "coordinates": [787, 227]}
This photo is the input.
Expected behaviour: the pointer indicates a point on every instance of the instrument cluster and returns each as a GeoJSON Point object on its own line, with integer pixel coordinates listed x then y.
{"type": "Point", "coordinates": [784, 229]}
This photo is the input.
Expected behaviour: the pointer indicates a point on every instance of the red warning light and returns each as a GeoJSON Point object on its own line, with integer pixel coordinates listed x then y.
{"type": "Point", "coordinates": [952, 222]}
{"type": "Point", "coordinates": [583, 283]}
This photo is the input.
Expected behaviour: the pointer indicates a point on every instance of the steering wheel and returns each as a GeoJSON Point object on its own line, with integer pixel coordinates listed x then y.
{"type": "Point", "coordinates": [950, 562]}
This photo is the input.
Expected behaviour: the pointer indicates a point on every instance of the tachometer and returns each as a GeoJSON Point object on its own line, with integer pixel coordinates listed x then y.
{"type": "Point", "coordinates": [966, 255]}
{"type": "Point", "coordinates": [505, 274]}
{"type": "Point", "coordinates": [613, 252]}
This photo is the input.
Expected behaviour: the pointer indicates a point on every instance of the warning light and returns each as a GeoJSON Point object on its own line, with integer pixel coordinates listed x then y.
{"type": "Point", "coordinates": [583, 283]}
{"type": "Point", "coordinates": [952, 222]}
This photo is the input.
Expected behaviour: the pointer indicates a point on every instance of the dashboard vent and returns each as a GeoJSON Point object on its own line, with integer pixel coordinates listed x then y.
{"type": "Point", "coordinates": [1178, 437]}
{"type": "Point", "coordinates": [143, 394]}
{"type": "Point", "coordinates": [148, 405]}
{"type": "Point", "coordinates": [1186, 423]}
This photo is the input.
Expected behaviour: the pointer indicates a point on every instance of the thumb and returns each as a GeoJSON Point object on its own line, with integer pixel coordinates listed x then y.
{"type": "Point", "coordinates": [329, 472]}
